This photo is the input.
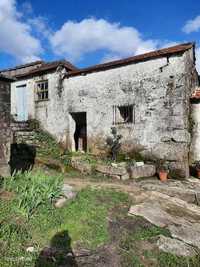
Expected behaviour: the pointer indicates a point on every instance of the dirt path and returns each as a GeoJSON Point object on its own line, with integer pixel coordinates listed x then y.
{"type": "Point", "coordinates": [131, 187]}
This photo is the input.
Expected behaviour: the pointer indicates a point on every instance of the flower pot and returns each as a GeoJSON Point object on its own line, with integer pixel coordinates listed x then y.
{"type": "Point", "coordinates": [163, 176]}
{"type": "Point", "coordinates": [198, 173]}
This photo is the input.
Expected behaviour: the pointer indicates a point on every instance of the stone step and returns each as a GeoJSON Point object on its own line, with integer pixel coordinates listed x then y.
{"type": "Point", "coordinates": [27, 137]}
{"type": "Point", "coordinates": [20, 126]}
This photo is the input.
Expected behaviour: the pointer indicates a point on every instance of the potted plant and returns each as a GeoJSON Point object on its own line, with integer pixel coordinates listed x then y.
{"type": "Point", "coordinates": [197, 167]}
{"type": "Point", "coordinates": [162, 170]}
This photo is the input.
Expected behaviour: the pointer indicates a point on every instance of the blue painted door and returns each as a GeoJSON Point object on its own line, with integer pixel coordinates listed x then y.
{"type": "Point", "coordinates": [21, 97]}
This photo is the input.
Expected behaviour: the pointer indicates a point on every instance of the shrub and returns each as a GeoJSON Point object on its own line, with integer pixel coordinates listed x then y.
{"type": "Point", "coordinates": [33, 190]}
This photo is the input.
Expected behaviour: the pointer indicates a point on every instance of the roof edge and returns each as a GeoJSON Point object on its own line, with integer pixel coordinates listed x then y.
{"type": "Point", "coordinates": [23, 66]}
{"type": "Point", "coordinates": [6, 78]}
{"type": "Point", "coordinates": [47, 67]}
{"type": "Point", "coordinates": [181, 48]}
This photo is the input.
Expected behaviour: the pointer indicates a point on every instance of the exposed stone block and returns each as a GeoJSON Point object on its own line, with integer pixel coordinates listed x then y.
{"type": "Point", "coordinates": [81, 166]}
{"type": "Point", "coordinates": [142, 171]}
{"type": "Point", "coordinates": [111, 171]}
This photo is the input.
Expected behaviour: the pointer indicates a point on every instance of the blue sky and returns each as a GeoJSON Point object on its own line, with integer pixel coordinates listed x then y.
{"type": "Point", "coordinates": [89, 32]}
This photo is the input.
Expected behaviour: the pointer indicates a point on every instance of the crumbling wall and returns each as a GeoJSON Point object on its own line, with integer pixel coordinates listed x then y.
{"type": "Point", "coordinates": [4, 128]}
{"type": "Point", "coordinates": [160, 91]}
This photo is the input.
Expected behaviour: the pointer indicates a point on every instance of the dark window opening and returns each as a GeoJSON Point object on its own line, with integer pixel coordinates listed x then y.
{"type": "Point", "coordinates": [123, 114]}
{"type": "Point", "coordinates": [42, 90]}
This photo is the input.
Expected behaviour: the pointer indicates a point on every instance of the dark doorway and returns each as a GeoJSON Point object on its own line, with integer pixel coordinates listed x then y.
{"type": "Point", "coordinates": [80, 134]}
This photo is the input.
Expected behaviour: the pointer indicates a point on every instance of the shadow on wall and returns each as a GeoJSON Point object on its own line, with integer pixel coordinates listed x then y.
{"type": "Point", "coordinates": [58, 254]}
{"type": "Point", "coordinates": [22, 157]}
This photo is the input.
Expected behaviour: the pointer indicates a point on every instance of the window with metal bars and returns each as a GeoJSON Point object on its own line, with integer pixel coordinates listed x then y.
{"type": "Point", "coordinates": [123, 114]}
{"type": "Point", "coordinates": [42, 90]}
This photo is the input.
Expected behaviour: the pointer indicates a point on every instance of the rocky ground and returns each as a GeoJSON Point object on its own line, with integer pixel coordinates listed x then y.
{"type": "Point", "coordinates": [173, 205]}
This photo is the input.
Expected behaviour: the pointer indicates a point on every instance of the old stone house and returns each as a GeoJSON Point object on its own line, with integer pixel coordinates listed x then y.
{"type": "Point", "coordinates": [146, 97]}
{"type": "Point", "coordinates": [5, 133]}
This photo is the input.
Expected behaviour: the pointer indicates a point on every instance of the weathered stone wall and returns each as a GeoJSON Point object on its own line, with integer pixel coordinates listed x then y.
{"type": "Point", "coordinates": [5, 136]}
{"type": "Point", "coordinates": [159, 89]}
{"type": "Point", "coordinates": [195, 126]}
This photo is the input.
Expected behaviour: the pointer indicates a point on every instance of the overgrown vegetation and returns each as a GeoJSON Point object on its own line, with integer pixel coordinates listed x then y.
{"type": "Point", "coordinates": [134, 252]}
{"type": "Point", "coordinates": [85, 218]}
{"type": "Point", "coordinates": [33, 190]}
{"type": "Point", "coordinates": [47, 145]}
{"type": "Point", "coordinates": [95, 219]}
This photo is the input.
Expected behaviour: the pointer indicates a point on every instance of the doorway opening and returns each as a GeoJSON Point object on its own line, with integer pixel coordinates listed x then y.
{"type": "Point", "coordinates": [80, 134]}
{"type": "Point", "coordinates": [21, 99]}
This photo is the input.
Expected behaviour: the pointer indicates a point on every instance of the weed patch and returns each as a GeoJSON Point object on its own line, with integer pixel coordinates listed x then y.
{"type": "Point", "coordinates": [33, 190]}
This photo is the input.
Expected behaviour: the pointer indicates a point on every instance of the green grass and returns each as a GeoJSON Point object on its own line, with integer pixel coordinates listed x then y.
{"type": "Point", "coordinates": [33, 189]}
{"type": "Point", "coordinates": [85, 219]}
{"type": "Point", "coordinates": [134, 254]}
{"type": "Point", "coordinates": [168, 260]}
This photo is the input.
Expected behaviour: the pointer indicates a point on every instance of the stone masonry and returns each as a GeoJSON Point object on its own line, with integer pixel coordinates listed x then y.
{"type": "Point", "coordinates": [5, 134]}
{"type": "Point", "coordinates": [155, 88]}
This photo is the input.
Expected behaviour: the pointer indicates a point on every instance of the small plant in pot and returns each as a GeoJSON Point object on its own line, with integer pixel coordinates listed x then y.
{"type": "Point", "coordinates": [162, 170]}
{"type": "Point", "coordinates": [197, 167]}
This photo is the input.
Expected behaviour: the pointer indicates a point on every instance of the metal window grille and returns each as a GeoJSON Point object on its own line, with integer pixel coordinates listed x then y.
{"type": "Point", "coordinates": [123, 114]}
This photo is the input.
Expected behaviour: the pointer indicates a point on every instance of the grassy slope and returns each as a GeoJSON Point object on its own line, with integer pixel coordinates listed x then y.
{"type": "Point", "coordinates": [95, 218]}
{"type": "Point", "coordinates": [85, 219]}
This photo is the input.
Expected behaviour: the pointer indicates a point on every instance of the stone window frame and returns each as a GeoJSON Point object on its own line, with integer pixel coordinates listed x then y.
{"type": "Point", "coordinates": [124, 114]}
{"type": "Point", "coordinates": [42, 90]}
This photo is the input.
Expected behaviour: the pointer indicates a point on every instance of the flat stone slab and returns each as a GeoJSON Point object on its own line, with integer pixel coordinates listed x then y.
{"type": "Point", "coordinates": [175, 246]}
{"type": "Point", "coordinates": [181, 218]}
{"type": "Point", "coordinates": [187, 190]}
{"type": "Point", "coordinates": [145, 170]}
{"type": "Point", "coordinates": [189, 233]}
{"type": "Point", "coordinates": [153, 213]}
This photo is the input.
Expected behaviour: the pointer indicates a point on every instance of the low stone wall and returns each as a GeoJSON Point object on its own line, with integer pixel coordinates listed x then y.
{"type": "Point", "coordinates": [120, 171]}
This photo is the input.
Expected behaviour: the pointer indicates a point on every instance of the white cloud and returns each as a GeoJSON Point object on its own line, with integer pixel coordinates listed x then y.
{"type": "Point", "coordinates": [15, 35]}
{"type": "Point", "coordinates": [76, 39]}
{"type": "Point", "coordinates": [192, 25]}
{"type": "Point", "coordinates": [41, 27]}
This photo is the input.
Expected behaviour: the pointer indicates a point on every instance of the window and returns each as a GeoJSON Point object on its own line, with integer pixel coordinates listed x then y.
{"type": "Point", "coordinates": [123, 114]}
{"type": "Point", "coordinates": [42, 90]}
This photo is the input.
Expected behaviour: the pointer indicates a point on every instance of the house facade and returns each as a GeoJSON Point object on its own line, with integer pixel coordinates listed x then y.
{"type": "Point", "coordinates": [146, 97]}
{"type": "Point", "coordinates": [5, 133]}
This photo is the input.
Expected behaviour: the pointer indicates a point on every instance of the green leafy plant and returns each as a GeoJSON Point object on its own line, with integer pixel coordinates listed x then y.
{"type": "Point", "coordinates": [33, 190]}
